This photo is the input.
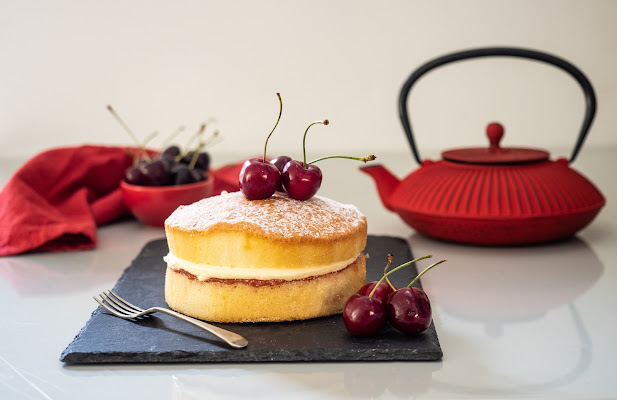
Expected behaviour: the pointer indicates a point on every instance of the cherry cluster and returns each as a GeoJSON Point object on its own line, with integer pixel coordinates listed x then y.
{"type": "Point", "coordinates": [407, 309]}
{"type": "Point", "coordinates": [260, 178]}
{"type": "Point", "coordinates": [170, 166]}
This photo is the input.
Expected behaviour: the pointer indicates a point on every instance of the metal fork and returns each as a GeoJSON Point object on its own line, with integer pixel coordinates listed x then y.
{"type": "Point", "coordinates": [121, 308]}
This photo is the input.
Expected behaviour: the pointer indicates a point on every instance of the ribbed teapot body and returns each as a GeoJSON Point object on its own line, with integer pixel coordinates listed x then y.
{"type": "Point", "coordinates": [497, 204]}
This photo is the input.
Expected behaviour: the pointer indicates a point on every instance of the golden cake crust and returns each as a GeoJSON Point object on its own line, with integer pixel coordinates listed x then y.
{"type": "Point", "coordinates": [278, 232]}
{"type": "Point", "coordinates": [277, 217]}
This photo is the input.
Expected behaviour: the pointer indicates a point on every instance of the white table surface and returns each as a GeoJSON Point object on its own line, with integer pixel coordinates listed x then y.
{"type": "Point", "coordinates": [526, 322]}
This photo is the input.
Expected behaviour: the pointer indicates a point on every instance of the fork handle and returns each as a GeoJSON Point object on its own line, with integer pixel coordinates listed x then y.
{"type": "Point", "coordinates": [233, 339]}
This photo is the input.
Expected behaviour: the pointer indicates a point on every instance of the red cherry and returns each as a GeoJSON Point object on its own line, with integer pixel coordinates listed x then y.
{"type": "Point", "coordinates": [258, 179]}
{"type": "Point", "coordinates": [409, 310]}
{"type": "Point", "coordinates": [382, 292]}
{"type": "Point", "coordinates": [279, 162]}
{"type": "Point", "coordinates": [299, 182]}
{"type": "Point", "coordinates": [154, 173]}
{"type": "Point", "coordinates": [134, 175]}
{"type": "Point", "coordinates": [363, 315]}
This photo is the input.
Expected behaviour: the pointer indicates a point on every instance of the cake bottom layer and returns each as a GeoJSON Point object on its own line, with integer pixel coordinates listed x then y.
{"type": "Point", "coordinates": [235, 300]}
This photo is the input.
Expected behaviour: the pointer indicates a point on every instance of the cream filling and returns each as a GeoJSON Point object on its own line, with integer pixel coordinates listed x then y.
{"type": "Point", "coordinates": [206, 271]}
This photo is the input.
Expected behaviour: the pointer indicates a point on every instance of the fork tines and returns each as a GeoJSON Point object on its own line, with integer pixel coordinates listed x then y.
{"type": "Point", "coordinates": [117, 305]}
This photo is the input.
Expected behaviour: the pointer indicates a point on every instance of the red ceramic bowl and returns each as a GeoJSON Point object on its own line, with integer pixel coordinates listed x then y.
{"type": "Point", "coordinates": [153, 204]}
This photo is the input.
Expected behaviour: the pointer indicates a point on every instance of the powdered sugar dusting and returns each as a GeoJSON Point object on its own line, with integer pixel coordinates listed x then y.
{"type": "Point", "coordinates": [278, 215]}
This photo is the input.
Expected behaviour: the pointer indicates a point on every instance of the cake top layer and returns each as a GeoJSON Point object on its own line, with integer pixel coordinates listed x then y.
{"type": "Point", "coordinates": [277, 215]}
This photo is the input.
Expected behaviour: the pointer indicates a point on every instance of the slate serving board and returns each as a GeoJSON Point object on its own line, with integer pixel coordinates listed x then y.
{"type": "Point", "coordinates": [160, 338]}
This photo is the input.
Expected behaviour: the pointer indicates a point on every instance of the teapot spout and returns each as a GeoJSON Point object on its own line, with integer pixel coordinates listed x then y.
{"type": "Point", "coordinates": [385, 181]}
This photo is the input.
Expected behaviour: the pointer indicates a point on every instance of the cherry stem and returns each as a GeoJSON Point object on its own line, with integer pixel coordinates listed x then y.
{"type": "Point", "coordinates": [396, 269]}
{"type": "Point", "coordinates": [385, 270]}
{"type": "Point", "coordinates": [363, 159]}
{"type": "Point", "coordinates": [131, 134]}
{"type": "Point", "coordinates": [123, 124]}
{"type": "Point", "coordinates": [142, 148]}
{"type": "Point", "coordinates": [211, 139]}
{"type": "Point", "coordinates": [422, 273]}
{"type": "Point", "coordinates": [197, 134]}
{"type": "Point", "coordinates": [172, 136]}
{"type": "Point", "coordinates": [275, 125]}
{"type": "Point", "coordinates": [149, 138]}
{"type": "Point", "coordinates": [324, 122]}
{"type": "Point", "coordinates": [196, 154]}
{"type": "Point", "coordinates": [200, 131]}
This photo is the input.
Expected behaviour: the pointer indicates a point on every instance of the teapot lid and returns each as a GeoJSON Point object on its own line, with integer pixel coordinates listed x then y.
{"type": "Point", "coordinates": [494, 154]}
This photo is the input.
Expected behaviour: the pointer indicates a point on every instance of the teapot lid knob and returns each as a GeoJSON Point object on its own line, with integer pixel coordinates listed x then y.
{"type": "Point", "coordinates": [494, 131]}
{"type": "Point", "coordinates": [494, 154]}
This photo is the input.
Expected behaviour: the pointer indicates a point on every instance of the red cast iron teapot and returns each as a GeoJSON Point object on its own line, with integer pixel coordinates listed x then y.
{"type": "Point", "coordinates": [493, 195]}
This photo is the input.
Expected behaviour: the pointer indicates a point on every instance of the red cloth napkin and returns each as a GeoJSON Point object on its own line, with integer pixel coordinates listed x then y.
{"type": "Point", "coordinates": [57, 199]}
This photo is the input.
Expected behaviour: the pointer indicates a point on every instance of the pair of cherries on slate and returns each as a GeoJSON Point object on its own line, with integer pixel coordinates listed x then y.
{"type": "Point", "coordinates": [407, 309]}
{"type": "Point", "coordinates": [260, 178]}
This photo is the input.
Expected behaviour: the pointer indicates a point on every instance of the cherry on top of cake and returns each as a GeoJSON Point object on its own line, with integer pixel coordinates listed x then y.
{"type": "Point", "coordinates": [318, 217]}
{"type": "Point", "coordinates": [259, 178]}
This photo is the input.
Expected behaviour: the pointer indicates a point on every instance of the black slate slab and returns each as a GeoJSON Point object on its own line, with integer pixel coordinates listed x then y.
{"type": "Point", "coordinates": [161, 338]}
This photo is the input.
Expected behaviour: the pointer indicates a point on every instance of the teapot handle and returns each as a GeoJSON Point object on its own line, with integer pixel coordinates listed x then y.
{"type": "Point", "coordinates": [590, 97]}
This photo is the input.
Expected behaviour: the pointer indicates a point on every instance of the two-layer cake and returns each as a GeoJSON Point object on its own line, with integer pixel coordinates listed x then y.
{"type": "Point", "coordinates": [279, 259]}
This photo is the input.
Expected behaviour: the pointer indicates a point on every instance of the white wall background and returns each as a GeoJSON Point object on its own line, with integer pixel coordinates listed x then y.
{"type": "Point", "coordinates": [162, 64]}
